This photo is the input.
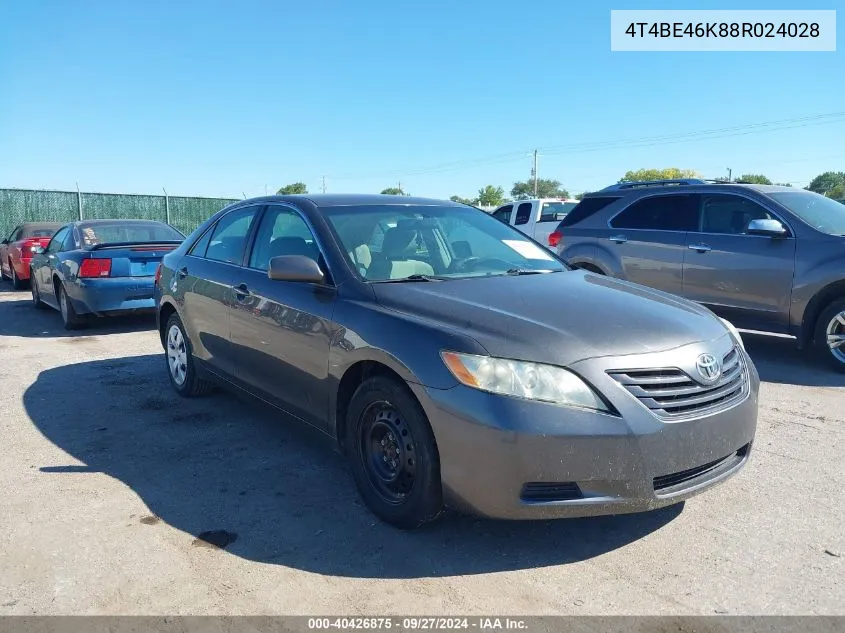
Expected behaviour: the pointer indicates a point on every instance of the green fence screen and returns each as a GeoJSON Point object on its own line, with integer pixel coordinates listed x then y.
{"type": "Point", "coordinates": [30, 205]}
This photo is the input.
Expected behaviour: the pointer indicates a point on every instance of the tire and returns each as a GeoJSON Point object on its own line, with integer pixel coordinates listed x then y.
{"type": "Point", "coordinates": [71, 320]}
{"type": "Point", "coordinates": [831, 324]}
{"type": "Point", "coordinates": [17, 282]}
{"type": "Point", "coordinates": [405, 492]}
{"type": "Point", "coordinates": [36, 298]}
{"type": "Point", "coordinates": [179, 360]}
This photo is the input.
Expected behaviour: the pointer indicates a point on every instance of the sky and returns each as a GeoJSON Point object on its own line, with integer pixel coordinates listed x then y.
{"type": "Point", "coordinates": [236, 99]}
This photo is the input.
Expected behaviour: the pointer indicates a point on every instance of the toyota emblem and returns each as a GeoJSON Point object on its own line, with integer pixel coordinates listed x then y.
{"type": "Point", "coordinates": [709, 368]}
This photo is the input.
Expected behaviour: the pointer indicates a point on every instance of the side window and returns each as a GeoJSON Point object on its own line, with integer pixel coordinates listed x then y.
{"type": "Point", "coordinates": [660, 213]}
{"type": "Point", "coordinates": [201, 245]}
{"type": "Point", "coordinates": [282, 232]}
{"type": "Point", "coordinates": [55, 245]}
{"type": "Point", "coordinates": [16, 234]}
{"type": "Point", "coordinates": [586, 208]}
{"type": "Point", "coordinates": [523, 213]}
{"type": "Point", "coordinates": [725, 213]}
{"type": "Point", "coordinates": [69, 243]}
{"type": "Point", "coordinates": [504, 213]}
{"type": "Point", "coordinates": [228, 241]}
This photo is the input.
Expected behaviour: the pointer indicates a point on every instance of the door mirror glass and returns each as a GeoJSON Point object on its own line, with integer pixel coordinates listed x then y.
{"type": "Point", "coordinates": [295, 268]}
{"type": "Point", "coordinates": [772, 228]}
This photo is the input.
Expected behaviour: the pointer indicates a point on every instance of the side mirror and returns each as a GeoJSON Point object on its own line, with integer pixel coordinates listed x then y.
{"type": "Point", "coordinates": [295, 268]}
{"type": "Point", "coordinates": [5, 241]}
{"type": "Point", "coordinates": [37, 249]}
{"type": "Point", "coordinates": [772, 228]}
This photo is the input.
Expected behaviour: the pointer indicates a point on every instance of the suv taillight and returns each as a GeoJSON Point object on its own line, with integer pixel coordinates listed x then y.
{"type": "Point", "coordinates": [555, 238]}
{"type": "Point", "coordinates": [95, 268]}
{"type": "Point", "coordinates": [158, 274]}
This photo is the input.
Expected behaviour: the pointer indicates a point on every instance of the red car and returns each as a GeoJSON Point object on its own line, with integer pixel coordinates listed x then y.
{"type": "Point", "coordinates": [16, 250]}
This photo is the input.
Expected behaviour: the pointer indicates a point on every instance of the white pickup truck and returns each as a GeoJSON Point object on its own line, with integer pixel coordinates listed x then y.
{"type": "Point", "coordinates": [536, 218]}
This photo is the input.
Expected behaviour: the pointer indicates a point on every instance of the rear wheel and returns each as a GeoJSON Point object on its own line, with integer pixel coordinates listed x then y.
{"type": "Point", "coordinates": [17, 283]}
{"type": "Point", "coordinates": [393, 455]}
{"type": "Point", "coordinates": [181, 368]}
{"type": "Point", "coordinates": [71, 320]}
{"type": "Point", "coordinates": [830, 335]}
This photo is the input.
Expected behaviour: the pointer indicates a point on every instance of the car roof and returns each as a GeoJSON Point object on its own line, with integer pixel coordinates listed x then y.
{"type": "Point", "coordinates": [40, 225]}
{"type": "Point", "coordinates": [698, 186]}
{"type": "Point", "coordinates": [356, 199]}
{"type": "Point", "coordinates": [115, 221]}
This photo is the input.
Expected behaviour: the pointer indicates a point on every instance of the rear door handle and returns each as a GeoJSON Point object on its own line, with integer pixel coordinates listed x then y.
{"type": "Point", "coordinates": [182, 273]}
{"type": "Point", "coordinates": [241, 292]}
{"type": "Point", "coordinates": [619, 239]}
{"type": "Point", "coordinates": [701, 248]}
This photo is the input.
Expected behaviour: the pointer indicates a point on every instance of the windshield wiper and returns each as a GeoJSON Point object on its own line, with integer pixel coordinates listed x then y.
{"type": "Point", "coordinates": [415, 277]}
{"type": "Point", "coordinates": [523, 271]}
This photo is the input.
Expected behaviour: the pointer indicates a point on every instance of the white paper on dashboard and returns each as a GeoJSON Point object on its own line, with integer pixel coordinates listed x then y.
{"type": "Point", "coordinates": [527, 249]}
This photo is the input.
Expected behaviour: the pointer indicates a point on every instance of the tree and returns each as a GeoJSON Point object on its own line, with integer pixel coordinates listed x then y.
{"type": "Point", "coordinates": [461, 200]}
{"type": "Point", "coordinates": [545, 189]}
{"type": "Point", "coordinates": [581, 195]}
{"type": "Point", "coordinates": [837, 193]}
{"type": "Point", "coordinates": [668, 173]}
{"type": "Point", "coordinates": [295, 187]}
{"type": "Point", "coordinates": [757, 179]}
{"type": "Point", "coordinates": [829, 180]}
{"type": "Point", "coordinates": [393, 191]}
{"type": "Point", "coordinates": [491, 196]}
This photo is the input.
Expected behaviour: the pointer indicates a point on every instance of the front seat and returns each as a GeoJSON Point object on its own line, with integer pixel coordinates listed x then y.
{"type": "Point", "coordinates": [396, 259]}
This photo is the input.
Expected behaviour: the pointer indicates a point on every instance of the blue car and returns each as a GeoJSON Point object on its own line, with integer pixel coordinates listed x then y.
{"type": "Point", "coordinates": [100, 268]}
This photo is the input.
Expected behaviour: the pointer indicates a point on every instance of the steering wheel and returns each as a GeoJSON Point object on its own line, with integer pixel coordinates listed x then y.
{"type": "Point", "coordinates": [471, 263]}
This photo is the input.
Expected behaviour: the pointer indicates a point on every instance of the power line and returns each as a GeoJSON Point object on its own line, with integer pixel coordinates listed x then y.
{"type": "Point", "coordinates": [636, 142]}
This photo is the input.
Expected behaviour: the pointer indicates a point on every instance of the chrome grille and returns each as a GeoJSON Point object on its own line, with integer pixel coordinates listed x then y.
{"type": "Point", "coordinates": [672, 393]}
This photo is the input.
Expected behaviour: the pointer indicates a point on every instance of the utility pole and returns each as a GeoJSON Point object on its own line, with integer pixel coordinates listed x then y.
{"type": "Point", "coordinates": [534, 173]}
{"type": "Point", "coordinates": [324, 184]}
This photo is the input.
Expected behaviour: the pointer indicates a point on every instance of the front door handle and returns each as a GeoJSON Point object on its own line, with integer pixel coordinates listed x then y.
{"type": "Point", "coordinates": [701, 248]}
{"type": "Point", "coordinates": [619, 239]}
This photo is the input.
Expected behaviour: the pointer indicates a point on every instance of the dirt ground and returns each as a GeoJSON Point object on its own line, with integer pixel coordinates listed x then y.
{"type": "Point", "coordinates": [113, 487]}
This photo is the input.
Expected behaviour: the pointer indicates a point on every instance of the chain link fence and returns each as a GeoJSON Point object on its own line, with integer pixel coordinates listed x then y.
{"type": "Point", "coordinates": [31, 205]}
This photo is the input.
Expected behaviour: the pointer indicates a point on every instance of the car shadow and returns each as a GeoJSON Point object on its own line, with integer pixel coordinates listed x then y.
{"type": "Point", "coordinates": [19, 318]}
{"type": "Point", "coordinates": [778, 360]}
{"type": "Point", "coordinates": [240, 476]}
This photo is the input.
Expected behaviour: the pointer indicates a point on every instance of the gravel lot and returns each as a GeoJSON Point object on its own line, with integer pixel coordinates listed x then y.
{"type": "Point", "coordinates": [108, 479]}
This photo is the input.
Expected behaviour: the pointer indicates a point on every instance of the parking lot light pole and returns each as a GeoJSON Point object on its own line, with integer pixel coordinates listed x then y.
{"type": "Point", "coordinates": [166, 205]}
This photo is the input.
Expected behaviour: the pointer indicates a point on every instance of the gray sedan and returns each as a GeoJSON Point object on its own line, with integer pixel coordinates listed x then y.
{"type": "Point", "coordinates": [455, 361]}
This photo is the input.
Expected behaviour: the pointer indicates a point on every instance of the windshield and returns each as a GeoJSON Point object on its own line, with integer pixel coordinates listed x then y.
{"type": "Point", "coordinates": [389, 242]}
{"type": "Point", "coordinates": [823, 214]}
{"type": "Point", "coordinates": [103, 233]}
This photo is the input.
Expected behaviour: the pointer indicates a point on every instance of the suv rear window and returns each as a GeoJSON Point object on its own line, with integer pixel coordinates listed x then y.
{"type": "Point", "coordinates": [586, 208]}
{"type": "Point", "coordinates": [660, 213]}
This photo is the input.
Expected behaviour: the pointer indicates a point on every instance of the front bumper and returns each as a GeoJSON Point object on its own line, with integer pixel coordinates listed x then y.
{"type": "Point", "coordinates": [583, 463]}
{"type": "Point", "coordinates": [112, 295]}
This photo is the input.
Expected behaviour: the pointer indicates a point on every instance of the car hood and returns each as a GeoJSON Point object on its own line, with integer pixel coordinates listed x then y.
{"type": "Point", "coordinates": [557, 318]}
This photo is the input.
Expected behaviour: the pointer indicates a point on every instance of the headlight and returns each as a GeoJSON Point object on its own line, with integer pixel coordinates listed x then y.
{"type": "Point", "coordinates": [520, 379]}
{"type": "Point", "coordinates": [733, 331]}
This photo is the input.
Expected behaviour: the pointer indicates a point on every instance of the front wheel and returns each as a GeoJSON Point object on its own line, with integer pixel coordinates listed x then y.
{"type": "Point", "coordinates": [181, 368]}
{"type": "Point", "coordinates": [393, 455]}
{"type": "Point", "coordinates": [830, 335]}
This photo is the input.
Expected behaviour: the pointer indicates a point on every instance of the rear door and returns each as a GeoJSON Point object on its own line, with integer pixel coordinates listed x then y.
{"type": "Point", "coordinates": [649, 238]}
{"type": "Point", "coordinates": [206, 278]}
{"type": "Point", "coordinates": [281, 330]}
{"type": "Point", "coordinates": [746, 278]}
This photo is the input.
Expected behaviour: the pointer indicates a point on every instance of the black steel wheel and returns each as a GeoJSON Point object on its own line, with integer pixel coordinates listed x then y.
{"type": "Point", "coordinates": [393, 454]}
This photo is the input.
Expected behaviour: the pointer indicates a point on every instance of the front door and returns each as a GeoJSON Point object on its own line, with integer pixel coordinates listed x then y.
{"type": "Point", "coordinates": [281, 330]}
{"type": "Point", "coordinates": [649, 239]}
{"type": "Point", "coordinates": [746, 278]}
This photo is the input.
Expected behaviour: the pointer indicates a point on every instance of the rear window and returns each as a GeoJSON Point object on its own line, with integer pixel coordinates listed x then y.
{"type": "Point", "coordinates": [93, 234]}
{"type": "Point", "coordinates": [586, 208]}
{"type": "Point", "coordinates": [660, 213]}
{"type": "Point", "coordinates": [552, 211]}
{"type": "Point", "coordinates": [38, 231]}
